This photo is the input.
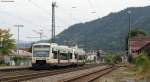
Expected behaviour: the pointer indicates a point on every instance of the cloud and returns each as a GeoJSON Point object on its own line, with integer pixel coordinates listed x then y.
{"type": "Point", "coordinates": [36, 14]}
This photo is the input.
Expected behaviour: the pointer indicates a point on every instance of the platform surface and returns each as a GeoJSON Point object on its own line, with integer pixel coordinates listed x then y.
{"type": "Point", "coordinates": [13, 67]}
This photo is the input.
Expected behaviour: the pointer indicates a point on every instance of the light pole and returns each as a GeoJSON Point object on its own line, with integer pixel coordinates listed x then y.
{"type": "Point", "coordinates": [129, 36]}
{"type": "Point", "coordinates": [18, 26]}
{"type": "Point", "coordinates": [129, 28]}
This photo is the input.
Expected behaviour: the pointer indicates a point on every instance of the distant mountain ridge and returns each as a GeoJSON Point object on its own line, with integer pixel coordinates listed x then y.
{"type": "Point", "coordinates": [109, 32]}
{"type": "Point", "coordinates": [24, 44]}
{"type": "Point", "coordinates": [28, 44]}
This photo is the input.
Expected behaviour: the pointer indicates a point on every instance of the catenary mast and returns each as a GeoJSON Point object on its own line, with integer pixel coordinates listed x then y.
{"type": "Point", "coordinates": [53, 21]}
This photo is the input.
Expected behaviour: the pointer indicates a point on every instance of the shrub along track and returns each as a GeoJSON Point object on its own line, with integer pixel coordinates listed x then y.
{"type": "Point", "coordinates": [21, 75]}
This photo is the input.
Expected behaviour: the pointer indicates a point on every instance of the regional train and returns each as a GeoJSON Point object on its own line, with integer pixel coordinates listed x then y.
{"type": "Point", "coordinates": [47, 55]}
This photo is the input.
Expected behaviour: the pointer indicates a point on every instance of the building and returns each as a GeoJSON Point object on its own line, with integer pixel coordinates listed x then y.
{"type": "Point", "coordinates": [22, 53]}
{"type": "Point", "coordinates": [145, 48]}
{"type": "Point", "coordinates": [137, 42]}
{"type": "Point", "coordinates": [96, 56]}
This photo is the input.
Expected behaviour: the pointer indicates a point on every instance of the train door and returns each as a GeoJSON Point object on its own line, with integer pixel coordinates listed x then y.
{"type": "Point", "coordinates": [68, 57]}
{"type": "Point", "coordinates": [58, 56]}
{"type": "Point", "coordinates": [54, 55]}
{"type": "Point", "coordinates": [76, 57]}
{"type": "Point", "coordinates": [71, 57]}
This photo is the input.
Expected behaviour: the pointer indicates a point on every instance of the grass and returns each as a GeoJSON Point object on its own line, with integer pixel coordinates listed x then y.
{"type": "Point", "coordinates": [142, 67]}
{"type": "Point", "coordinates": [1, 65]}
{"type": "Point", "coordinates": [138, 71]}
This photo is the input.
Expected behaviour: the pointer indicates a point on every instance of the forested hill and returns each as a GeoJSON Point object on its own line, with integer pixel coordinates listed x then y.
{"type": "Point", "coordinates": [109, 32]}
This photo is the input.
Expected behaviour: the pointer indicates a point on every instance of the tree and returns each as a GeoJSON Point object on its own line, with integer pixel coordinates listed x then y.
{"type": "Point", "coordinates": [6, 43]}
{"type": "Point", "coordinates": [17, 59]}
{"type": "Point", "coordinates": [113, 58]}
{"type": "Point", "coordinates": [134, 32]}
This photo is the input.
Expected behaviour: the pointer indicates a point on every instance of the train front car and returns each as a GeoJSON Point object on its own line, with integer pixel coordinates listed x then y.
{"type": "Point", "coordinates": [46, 55]}
{"type": "Point", "coordinates": [41, 55]}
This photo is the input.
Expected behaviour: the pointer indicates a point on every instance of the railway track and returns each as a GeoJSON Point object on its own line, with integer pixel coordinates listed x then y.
{"type": "Point", "coordinates": [21, 75]}
{"type": "Point", "coordinates": [89, 77]}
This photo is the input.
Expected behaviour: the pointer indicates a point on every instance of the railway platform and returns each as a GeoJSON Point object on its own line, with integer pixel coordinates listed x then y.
{"type": "Point", "coordinates": [4, 68]}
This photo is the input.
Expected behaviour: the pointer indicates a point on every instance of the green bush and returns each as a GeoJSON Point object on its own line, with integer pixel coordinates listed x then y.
{"type": "Point", "coordinates": [16, 58]}
{"type": "Point", "coordinates": [142, 65]}
{"type": "Point", "coordinates": [108, 59]}
{"type": "Point", "coordinates": [142, 60]}
{"type": "Point", "coordinates": [113, 58]}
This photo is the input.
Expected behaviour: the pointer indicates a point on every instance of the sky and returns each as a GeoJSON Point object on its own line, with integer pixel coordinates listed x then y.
{"type": "Point", "coordinates": [35, 15]}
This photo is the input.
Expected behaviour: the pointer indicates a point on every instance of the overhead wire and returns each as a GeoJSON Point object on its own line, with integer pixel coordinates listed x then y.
{"type": "Point", "coordinates": [93, 7]}
{"type": "Point", "coordinates": [35, 4]}
{"type": "Point", "coordinates": [44, 10]}
{"type": "Point", "coordinates": [90, 3]}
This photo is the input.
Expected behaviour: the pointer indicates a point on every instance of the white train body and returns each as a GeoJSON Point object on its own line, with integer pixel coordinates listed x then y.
{"type": "Point", "coordinates": [45, 55]}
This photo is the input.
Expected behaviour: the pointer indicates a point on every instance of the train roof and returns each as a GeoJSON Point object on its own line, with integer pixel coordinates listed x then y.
{"type": "Point", "coordinates": [41, 44]}
{"type": "Point", "coordinates": [46, 44]}
{"type": "Point", "coordinates": [79, 50]}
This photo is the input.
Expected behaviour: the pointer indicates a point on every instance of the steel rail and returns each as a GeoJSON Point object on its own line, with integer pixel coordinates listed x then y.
{"type": "Point", "coordinates": [89, 77]}
{"type": "Point", "coordinates": [38, 74]}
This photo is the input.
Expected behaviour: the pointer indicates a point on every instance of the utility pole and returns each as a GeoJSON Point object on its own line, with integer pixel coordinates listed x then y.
{"type": "Point", "coordinates": [85, 42]}
{"type": "Point", "coordinates": [85, 45]}
{"type": "Point", "coordinates": [129, 20]}
{"type": "Point", "coordinates": [53, 21]}
{"type": "Point", "coordinates": [40, 33]}
{"type": "Point", "coordinates": [129, 36]}
{"type": "Point", "coordinates": [18, 26]}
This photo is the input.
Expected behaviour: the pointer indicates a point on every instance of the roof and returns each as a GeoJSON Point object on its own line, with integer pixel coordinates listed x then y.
{"type": "Point", "coordinates": [42, 44]}
{"type": "Point", "coordinates": [137, 43]}
{"type": "Point", "coordinates": [21, 53]}
{"type": "Point", "coordinates": [25, 49]}
{"type": "Point", "coordinates": [145, 46]}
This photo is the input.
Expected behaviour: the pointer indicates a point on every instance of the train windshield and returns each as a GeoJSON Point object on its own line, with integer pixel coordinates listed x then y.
{"type": "Point", "coordinates": [41, 51]}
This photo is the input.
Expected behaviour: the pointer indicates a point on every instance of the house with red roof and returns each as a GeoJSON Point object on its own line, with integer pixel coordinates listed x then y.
{"type": "Point", "coordinates": [138, 42]}
{"type": "Point", "coordinates": [145, 48]}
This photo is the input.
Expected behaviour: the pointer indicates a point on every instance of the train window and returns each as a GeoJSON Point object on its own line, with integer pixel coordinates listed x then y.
{"type": "Point", "coordinates": [40, 53]}
{"type": "Point", "coordinates": [81, 57]}
{"type": "Point", "coordinates": [54, 54]}
{"type": "Point", "coordinates": [70, 55]}
{"type": "Point", "coordinates": [52, 50]}
{"type": "Point", "coordinates": [41, 46]}
{"type": "Point", "coordinates": [75, 56]}
{"type": "Point", "coordinates": [64, 56]}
